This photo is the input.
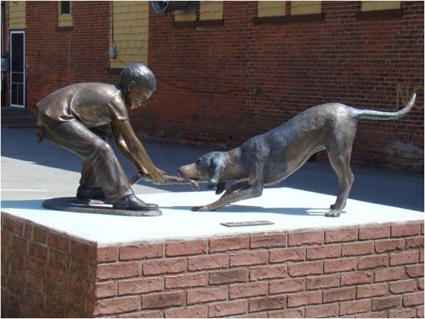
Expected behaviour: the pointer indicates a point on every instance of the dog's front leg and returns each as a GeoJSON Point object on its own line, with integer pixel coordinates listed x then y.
{"type": "Point", "coordinates": [233, 188]}
{"type": "Point", "coordinates": [236, 192]}
{"type": "Point", "coordinates": [237, 186]}
{"type": "Point", "coordinates": [253, 187]}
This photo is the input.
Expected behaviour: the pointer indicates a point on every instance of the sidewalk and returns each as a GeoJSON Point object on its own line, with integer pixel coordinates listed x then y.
{"type": "Point", "coordinates": [31, 171]}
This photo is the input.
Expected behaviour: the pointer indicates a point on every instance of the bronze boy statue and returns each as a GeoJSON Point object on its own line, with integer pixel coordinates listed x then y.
{"type": "Point", "coordinates": [69, 117]}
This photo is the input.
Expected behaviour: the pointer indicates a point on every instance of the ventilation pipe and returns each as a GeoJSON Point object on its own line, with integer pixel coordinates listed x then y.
{"type": "Point", "coordinates": [169, 6]}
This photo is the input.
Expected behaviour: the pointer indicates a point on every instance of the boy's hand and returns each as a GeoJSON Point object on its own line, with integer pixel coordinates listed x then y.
{"type": "Point", "coordinates": [158, 176]}
{"type": "Point", "coordinates": [162, 172]}
{"type": "Point", "coordinates": [143, 174]}
{"type": "Point", "coordinates": [143, 171]}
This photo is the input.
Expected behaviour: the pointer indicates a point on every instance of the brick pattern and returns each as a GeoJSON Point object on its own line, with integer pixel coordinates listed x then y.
{"type": "Point", "coordinates": [44, 273]}
{"type": "Point", "coordinates": [298, 64]}
{"type": "Point", "coordinates": [361, 272]}
{"type": "Point", "coordinates": [366, 272]}
{"type": "Point", "coordinates": [61, 56]}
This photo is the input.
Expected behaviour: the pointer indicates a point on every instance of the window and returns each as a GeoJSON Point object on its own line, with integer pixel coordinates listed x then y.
{"type": "Point", "coordinates": [288, 11]}
{"type": "Point", "coordinates": [305, 7]}
{"type": "Point", "coordinates": [182, 16]}
{"type": "Point", "coordinates": [211, 10]}
{"type": "Point", "coordinates": [271, 8]}
{"type": "Point", "coordinates": [210, 13]}
{"type": "Point", "coordinates": [64, 14]}
{"type": "Point", "coordinates": [65, 7]}
{"type": "Point", "coordinates": [379, 10]}
{"type": "Point", "coordinates": [379, 5]}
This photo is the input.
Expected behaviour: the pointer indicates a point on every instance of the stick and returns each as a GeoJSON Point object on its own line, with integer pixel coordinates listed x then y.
{"type": "Point", "coordinates": [168, 180]}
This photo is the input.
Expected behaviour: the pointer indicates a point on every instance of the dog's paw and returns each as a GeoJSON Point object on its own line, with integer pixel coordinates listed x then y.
{"type": "Point", "coordinates": [221, 187]}
{"type": "Point", "coordinates": [205, 208]}
{"type": "Point", "coordinates": [333, 213]}
{"type": "Point", "coordinates": [198, 209]}
{"type": "Point", "coordinates": [333, 207]}
{"type": "Point", "coordinates": [195, 185]}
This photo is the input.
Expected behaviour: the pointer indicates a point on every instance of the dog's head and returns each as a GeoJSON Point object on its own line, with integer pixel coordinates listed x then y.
{"type": "Point", "coordinates": [208, 167]}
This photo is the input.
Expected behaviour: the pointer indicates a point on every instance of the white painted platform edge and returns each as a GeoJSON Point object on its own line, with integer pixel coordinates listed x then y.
{"type": "Point", "coordinates": [291, 210]}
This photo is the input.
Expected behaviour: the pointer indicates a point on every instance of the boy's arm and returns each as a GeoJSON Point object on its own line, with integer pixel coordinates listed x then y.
{"type": "Point", "coordinates": [130, 145]}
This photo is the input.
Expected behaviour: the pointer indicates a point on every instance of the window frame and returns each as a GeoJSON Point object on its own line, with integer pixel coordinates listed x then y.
{"type": "Point", "coordinates": [288, 17]}
{"type": "Point", "coordinates": [197, 22]}
{"type": "Point", "coordinates": [61, 8]}
{"type": "Point", "coordinates": [379, 14]}
{"type": "Point", "coordinates": [65, 20]}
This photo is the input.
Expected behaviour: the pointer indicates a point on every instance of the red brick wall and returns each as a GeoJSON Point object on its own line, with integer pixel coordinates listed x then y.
{"type": "Point", "coordinates": [206, 74]}
{"type": "Point", "coordinates": [44, 273]}
{"type": "Point", "coordinates": [297, 64]}
{"type": "Point", "coordinates": [61, 56]}
{"type": "Point", "coordinates": [366, 271]}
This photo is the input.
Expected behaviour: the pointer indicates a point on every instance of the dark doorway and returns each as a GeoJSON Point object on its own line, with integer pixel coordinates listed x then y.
{"type": "Point", "coordinates": [17, 68]}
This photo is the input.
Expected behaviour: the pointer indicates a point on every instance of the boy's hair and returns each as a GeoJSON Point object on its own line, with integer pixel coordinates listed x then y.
{"type": "Point", "coordinates": [140, 74]}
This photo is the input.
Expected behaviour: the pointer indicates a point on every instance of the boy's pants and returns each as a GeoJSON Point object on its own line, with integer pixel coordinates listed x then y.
{"type": "Point", "coordinates": [100, 165]}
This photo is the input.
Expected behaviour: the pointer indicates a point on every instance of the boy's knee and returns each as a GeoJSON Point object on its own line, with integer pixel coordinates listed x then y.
{"type": "Point", "coordinates": [101, 151]}
{"type": "Point", "coordinates": [103, 147]}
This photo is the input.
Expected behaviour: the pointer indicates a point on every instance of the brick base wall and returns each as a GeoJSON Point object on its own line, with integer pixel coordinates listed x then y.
{"type": "Point", "coordinates": [44, 273]}
{"type": "Point", "coordinates": [370, 271]}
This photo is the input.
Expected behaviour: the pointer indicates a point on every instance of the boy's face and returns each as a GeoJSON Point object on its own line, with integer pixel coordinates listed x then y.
{"type": "Point", "coordinates": [137, 96]}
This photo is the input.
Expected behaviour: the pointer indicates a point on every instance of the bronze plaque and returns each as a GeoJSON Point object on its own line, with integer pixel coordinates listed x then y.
{"type": "Point", "coordinates": [247, 223]}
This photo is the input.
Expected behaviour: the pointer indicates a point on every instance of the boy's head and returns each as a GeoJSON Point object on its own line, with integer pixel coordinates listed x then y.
{"type": "Point", "coordinates": [138, 83]}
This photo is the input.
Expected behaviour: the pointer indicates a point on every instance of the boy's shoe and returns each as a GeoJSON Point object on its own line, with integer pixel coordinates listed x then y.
{"type": "Point", "coordinates": [132, 202]}
{"type": "Point", "coordinates": [87, 192]}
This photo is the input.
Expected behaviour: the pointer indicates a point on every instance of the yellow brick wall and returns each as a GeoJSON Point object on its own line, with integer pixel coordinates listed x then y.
{"type": "Point", "coordinates": [129, 32]}
{"type": "Point", "coordinates": [17, 15]}
{"type": "Point", "coordinates": [379, 5]}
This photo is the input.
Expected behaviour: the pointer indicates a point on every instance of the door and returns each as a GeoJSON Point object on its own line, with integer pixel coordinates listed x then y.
{"type": "Point", "coordinates": [17, 68]}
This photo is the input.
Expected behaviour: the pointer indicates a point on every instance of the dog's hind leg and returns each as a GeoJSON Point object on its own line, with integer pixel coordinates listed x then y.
{"type": "Point", "coordinates": [341, 165]}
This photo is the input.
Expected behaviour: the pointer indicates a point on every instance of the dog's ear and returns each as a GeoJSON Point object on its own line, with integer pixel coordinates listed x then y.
{"type": "Point", "coordinates": [217, 167]}
{"type": "Point", "coordinates": [220, 188]}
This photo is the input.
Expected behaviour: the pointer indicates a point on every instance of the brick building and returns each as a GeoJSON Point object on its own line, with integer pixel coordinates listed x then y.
{"type": "Point", "coordinates": [229, 70]}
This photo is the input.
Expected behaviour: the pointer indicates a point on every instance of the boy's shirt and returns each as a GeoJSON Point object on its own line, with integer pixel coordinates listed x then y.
{"type": "Point", "coordinates": [93, 104]}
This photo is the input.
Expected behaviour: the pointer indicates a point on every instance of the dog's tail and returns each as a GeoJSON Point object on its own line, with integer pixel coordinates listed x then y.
{"type": "Point", "coordinates": [385, 116]}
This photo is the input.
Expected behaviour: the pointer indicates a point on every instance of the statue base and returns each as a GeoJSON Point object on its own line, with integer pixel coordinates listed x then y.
{"type": "Point", "coordinates": [297, 263]}
{"type": "Point", "coordinates": [73, 204]}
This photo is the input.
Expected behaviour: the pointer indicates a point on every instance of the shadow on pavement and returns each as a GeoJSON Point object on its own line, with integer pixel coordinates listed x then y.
{"type": "Point", "coordinates": [370, 185]}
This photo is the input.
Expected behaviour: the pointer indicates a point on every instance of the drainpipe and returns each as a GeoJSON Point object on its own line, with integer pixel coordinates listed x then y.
{"type": "Point", "coordinates": [3, 53]}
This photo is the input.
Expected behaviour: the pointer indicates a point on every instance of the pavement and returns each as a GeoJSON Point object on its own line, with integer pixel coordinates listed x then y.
{"type": "Point", "coordinates": [32, 171]}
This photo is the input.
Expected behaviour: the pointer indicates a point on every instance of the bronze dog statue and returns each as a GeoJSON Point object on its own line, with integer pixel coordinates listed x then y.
{"type": "Point", "coordinates": [271, 157]}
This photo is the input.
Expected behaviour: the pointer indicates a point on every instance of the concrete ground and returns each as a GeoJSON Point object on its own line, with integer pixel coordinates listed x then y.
{"type": "Point", "coordinates": [30, 171]}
